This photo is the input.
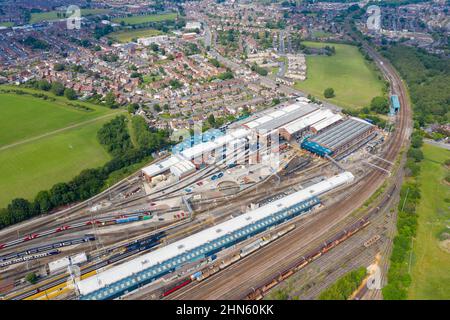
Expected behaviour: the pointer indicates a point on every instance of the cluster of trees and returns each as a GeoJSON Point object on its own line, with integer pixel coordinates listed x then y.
{"type": "Point", "coordinates": [114, 136]}
{"type": "Point", "coordinates": [215, 62]}
{"type": "Point", "coordinates": [345, 286]}
{"type": "Point", "coordinates": [191, 48]}
{"type": "Point", "coordinates": [21, 92]}
{"type": "Point", "coordinates": [147, 138]}
{"type": "Point", "coordinates": [57, 88]}
{"type": "Point", "coordinates": [260, 70]}
{"type": "Point", "coordinates": [226, 75]}
{"type": "Point", "coordinates": [102, 30]}
{"type": "Point", "coordinates": [364, 113]}
{"type": "Point", "coordinates": [35, 43]}
{"type": "Point", "coordinates": [88, 183]}
{"type": "Point", "coordinates": [379, 105]}
{"type": "Point", "coordinates": [428, 79]}
{"type": "Point", "coordinates": [110, 57]}
{"type": "Point", "coordinates": [399, 279]}
{"type": "Point", "coordinates": [175, 84]}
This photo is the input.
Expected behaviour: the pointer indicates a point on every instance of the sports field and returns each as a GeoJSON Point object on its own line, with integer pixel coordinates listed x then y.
{"type": "Point", "coordinates": [431, 262]}
{"type": "Point", "coordinates": [53, 15]}
{"type": "Point", "coordinates": [146, 18]}
{"type": "Point", "coordinates": [127, 36]}
{"type": "Point", "coordinates": [43, 143]}
{"type": "Point", "coordinates": [354, 81]}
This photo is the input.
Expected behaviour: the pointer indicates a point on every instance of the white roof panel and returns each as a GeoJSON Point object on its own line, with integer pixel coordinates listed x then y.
{"type": "Point", "coordinates": [198, 150]}
{"type": "Point", "coordinates": [276, 114]}
{"type": "Point", "coordinates": [292, 107]}
{"type": "Point", "coordinates": [326, 122]}
{"type": "Point", "coordinates": [306, 121]}
{"type": "Point", "coordinates": [160, 167]}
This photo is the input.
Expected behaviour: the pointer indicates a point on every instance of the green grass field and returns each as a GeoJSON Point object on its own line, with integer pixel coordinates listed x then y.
{"type": "Point", "coordinates": [354, 81]}
{"type": "Point", "coordinates": [6, 24]}
{"type": "Point", "coordinates": [49, 117]}
{"type": "Point", "coordinates": [320, 34]}
{"type": "Point", "coordinates": [53, 15]}
{"type": "Point", "coordinates": [127, 36]}
{"type": "Point", "coordinates": [147, 18]}
{"type": "Point", "coordinates": [431, 264]}
{"type": "Point", "coordinates": [43, 143]}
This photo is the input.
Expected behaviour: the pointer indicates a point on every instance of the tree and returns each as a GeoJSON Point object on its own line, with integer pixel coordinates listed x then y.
{"type": "Point", "coordinates": [44, 85]}
{"type": "Point", "coordinates": [57, 88]}
{"type": "Point", "coordinates": [132, 108]}
{"type": "Point", "coordinates": [212, 120]}
{"type": "Point", "coordinates": [328, 93]}
{"type": "Point", "coordinates": [58, 67]}
{"type": "Point", "coordinates": [157, 107]}
{"type": "Point", "coordinates": [44, 201]}
{"type": "Point", "coordinates": [154, 47]}
{"type": "Point", "coordinates": [110, 100]}
{"type": "Point", "coordinates": [20, 209]}
{"type": "Point", "coordinates": [379, 105]}
{"type": "Point", "coordinates": [31, 278]}
{"type": "Point", "coordinates": [415, 154]}
{"type": "Point", "coordinates": [416, 141]}
{"type": "Point", "coordinates": [70, 94]}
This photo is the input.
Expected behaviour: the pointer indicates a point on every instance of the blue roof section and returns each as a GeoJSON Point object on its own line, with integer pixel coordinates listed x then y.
{"type": "Point", "coordinates": [395, 102]}
{"type": "Point", "coordinates": [209, 135]}
{"type": "Point", "coordinates": [205, 250]}
{"type": "Point", "coordinates": [316, 148]}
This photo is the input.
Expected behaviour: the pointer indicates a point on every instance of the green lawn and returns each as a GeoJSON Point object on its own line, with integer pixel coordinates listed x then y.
{"type": "Point", "coordinates": [33, 156]}
{"type": "Point", "coordinates": [6, 24]}
{"type": "Point", "coordinates": [354, 81]}
{"type": "Point", "coordinates": [320, 34]}
{"type": "Point", "coordinates": [431, 264]}
{"type": "Point", "coordinates": [36, 117]}
{"type": "Point", "coordinates": [53, 15]}
{"type": "Point", "coordinates": [127, 36]}
{"type": "Point", "coordinates": [146, 18]}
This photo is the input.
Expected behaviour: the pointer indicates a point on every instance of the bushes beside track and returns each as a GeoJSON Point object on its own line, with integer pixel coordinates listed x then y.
{"type": "Point", "coordinates": [345, 286]}
{"type": "Point", "coordinates": [398, 276]}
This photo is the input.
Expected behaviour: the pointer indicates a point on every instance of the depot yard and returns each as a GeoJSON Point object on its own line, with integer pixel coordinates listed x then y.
{"type": "Point", "coordinates": [431, 263]}
{"type": "Point", "coordinates": [354, 80]}
{"type": "Point", "coordinates": [53, 15]}
{"type": "Point", "coordinates": [146, 18]}
{"type": "Point", "coordinates": [127, 36]}
{"type": "Point", "coordinates": [46, 142]}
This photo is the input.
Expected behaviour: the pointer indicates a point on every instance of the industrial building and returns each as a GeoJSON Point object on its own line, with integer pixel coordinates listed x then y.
{"type": "Point", "coordinates": [339, 138]}
{"type": "Point", "coordinates": [145, 269]}
{"type": "Point", "coordinates": [274, 120]}
{"type": "Point", "coordinates": [334, 133]}
{"type": "Point", "coordinates": [296, 128]}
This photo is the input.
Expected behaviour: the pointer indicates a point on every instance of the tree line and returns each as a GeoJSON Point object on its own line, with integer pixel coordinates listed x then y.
{"type": "Point", "coordinates": [90, 181]}
{"type": "Point", "coordinates": [428, 79]}
{"type": "Point", "coordinates": [399, 278]}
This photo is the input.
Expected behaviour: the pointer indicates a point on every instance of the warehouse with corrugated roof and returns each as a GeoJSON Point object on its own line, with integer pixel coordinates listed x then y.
{"type": "Point", "coordinates": [339, 138]}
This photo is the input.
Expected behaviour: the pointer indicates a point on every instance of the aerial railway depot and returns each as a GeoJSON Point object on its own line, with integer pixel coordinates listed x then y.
{"type": "Point", "coordinates": [265, 183]}
{"type": "Point", "coordinates": [197, 166]}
